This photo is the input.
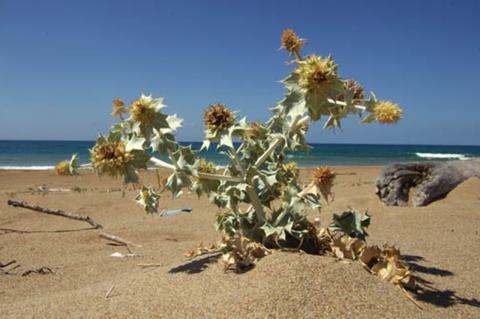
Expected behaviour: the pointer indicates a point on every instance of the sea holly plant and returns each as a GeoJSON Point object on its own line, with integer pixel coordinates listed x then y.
{"type": "Point", "coordinates": [68, 167]}
{"type": "Point", "coordinates": [263, 206]}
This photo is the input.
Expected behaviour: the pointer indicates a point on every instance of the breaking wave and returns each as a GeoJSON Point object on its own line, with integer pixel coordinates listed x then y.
{"type": "Point", "coordinates": [462, 157]}
{"type": "Point", "coordinates": [29, 168]}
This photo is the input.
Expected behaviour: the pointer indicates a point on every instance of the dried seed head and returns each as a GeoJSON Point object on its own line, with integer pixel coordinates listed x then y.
{"type": "Point", "coordinates": [63, 168]}
{"type": "Point", "coordinates": [118, 107]}
{"type": "Point", "coordinates": [142, 111]}
{"type": "Point", "coordinates": [387, 112]}
{"type": "Point", "coordinates": [291, 42]}
{"type": "Point", "coordinates": [323, 177]}
{"type": "Point", "coordinates": [317, 74]}
{"type": "Point", "coordinates": [217, 117]}
{"type": "Point", "coordinates": [254, 131]}
{"type": "Point", "coordinates": [358, 93]}
{"type": "Point", "coordinates": [110, 158]}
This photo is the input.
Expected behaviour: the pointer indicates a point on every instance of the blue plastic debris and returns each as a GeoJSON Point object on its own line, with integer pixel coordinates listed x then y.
{"type": "Point", "coordinates": [175, 211]}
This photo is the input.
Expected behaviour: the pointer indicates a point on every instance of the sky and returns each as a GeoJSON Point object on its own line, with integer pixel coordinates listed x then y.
{"type": "Point", "coordinates": [63, 62]}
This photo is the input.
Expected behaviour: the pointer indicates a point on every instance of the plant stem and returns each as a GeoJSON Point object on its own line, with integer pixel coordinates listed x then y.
{"type": "Point", "coordinates": [269, 151]}
{"type": "Point", "coordinates": [336, 102]}
{"type": "Point", "coordinates": [257, 204]}
{"type": "Point", "coordinates": [170, 154]}
{"type": "Point", "coordinates": [237, 161]}
{"type": "Point", "coordinates": [218, 177]}
{"type": "Point", "coordinates": [159, 163]}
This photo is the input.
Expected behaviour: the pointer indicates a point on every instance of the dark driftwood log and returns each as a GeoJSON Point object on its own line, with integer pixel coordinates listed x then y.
{"type": "Point", "coordinates": [424, 182]}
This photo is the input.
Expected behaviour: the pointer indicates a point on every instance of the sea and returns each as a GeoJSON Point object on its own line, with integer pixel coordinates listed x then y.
{"type": "Point", "coordinates": [43, 155]}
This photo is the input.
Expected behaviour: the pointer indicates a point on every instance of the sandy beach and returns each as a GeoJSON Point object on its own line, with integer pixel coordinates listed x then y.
{"type": "Point", "coordinates": [440, 242]}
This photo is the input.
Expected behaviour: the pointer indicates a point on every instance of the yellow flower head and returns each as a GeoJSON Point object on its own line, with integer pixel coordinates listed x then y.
{"type": "Point", "coordinates": [143, 110]}
{"type": "Point", "coordinates": [118, 107]}
{"type": "Point", "coordinates": [63, 168]}
{"type": "Point", "coordinates": [387, 112]}
{"type": "Point", "coordinates": [110, 158]}
{"type": "Point", "coordinates": [218, 117]}
{"type": "Point", "coordinates": [292, 169]}
{"type": "Point", "coordinates": [317, 74]}
{"type": "Point", "coordinates": [206, 167]}
{"type": "Point", "coordinates": [323, 177]}
{"type": "Point", "coordinates": [291, 42]}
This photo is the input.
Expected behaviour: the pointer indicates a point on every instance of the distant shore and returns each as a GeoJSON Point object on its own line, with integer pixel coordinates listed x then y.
{"type": "Point", "coordinates": [40, 155]}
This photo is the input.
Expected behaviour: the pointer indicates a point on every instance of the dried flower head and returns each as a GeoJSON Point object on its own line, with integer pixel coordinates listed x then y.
{"type": "Point", "coordinates": [255, 130]}
{"type": "Point", "coordinates": [143, 110]}
{"type": "Point", "coordinates": [291, 42]}
{"type": "Point", "coordinates": [217, 117]}
{"type": "Point", "coordinates": [206, 167]}
{"type": "Point", "coordinates": [358, 92]}
{"type": "Point", "coordinates": [63, 168]}
{"type": "Point", "coordinates": [317, 74]}
{"type": "Point", "coordinates": [323, 177]}
{"type": "Point", "coordinates": [118, 107]}
{"type": "Point", "coordinates": [387, 112]}
{"type": "Point", "coordinates": [110, 158]}
{"type": "Point", "coordinates": [67, 167]}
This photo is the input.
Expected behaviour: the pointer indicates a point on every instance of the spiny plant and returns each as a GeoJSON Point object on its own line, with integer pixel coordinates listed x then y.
{"type": "Point", "coordinates": [263, 205]}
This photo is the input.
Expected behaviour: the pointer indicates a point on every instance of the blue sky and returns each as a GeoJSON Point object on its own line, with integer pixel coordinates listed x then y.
{"type": "Point", "coordinates": [62, 62]}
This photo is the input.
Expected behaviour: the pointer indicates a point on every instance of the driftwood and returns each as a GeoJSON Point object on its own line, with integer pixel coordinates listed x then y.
{"type": "Point", "coordinates": [118, 240]}
{"type": "Point", "coordinates": [62, 213]}
{"type": "Point", "coordinates": [423, 182]}
{"type": "Point", "coordinates": [87, 219]}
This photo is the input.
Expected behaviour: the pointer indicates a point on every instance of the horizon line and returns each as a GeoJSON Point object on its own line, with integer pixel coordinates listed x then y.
{"type": "Point", "coordinates": [312, 143]}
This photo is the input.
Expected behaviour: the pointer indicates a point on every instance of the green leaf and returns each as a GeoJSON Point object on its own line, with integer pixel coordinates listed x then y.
{"type": "Point", "coordinates": [351, 223]}
{"type": "Point", "coordinates": [174, 122]}
{"type": "Point", "coordinates": [148, 199]}
{"type": "Point", "coordinates": [135, 143]}
{"type": "Point", "coordinates": [73, 165]}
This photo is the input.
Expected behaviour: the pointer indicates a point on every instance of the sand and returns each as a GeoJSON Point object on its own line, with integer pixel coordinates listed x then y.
{"type": "Point", "coordinates": [441, 242]}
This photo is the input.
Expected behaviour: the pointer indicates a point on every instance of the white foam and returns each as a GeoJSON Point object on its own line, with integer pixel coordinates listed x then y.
{"type": "Point", "coordinates": [462, 157]}
{"type": "Point", "coordinates": [30, 168]}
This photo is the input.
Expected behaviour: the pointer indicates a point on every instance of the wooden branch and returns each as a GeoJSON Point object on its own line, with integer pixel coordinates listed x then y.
{"type": "Point", "coordinates": [48, 211]}
{"type": "Point", "coordinates": [3, 265]}
{"type": "Point", "coordinates": [117, 239]}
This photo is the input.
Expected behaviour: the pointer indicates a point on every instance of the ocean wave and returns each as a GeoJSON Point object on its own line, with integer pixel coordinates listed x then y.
{"type": "Point", "coordinates": [462, 157]}
{"type": "Point", "coordinates": [30, 168]}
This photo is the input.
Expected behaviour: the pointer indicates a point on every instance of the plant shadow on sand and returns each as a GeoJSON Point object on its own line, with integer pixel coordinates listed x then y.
{"type": "Point", "coordinates": [197, 265]}
{"type": "Point", "coordinates": [426, 292]}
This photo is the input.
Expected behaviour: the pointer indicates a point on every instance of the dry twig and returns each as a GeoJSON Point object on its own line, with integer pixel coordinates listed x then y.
{"type": "Point", "coordinates": [109, 291]}
{"type": "Point", "coordinates": [118, 240]}
{"type": "Point", "coordinates": [87, 219]}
